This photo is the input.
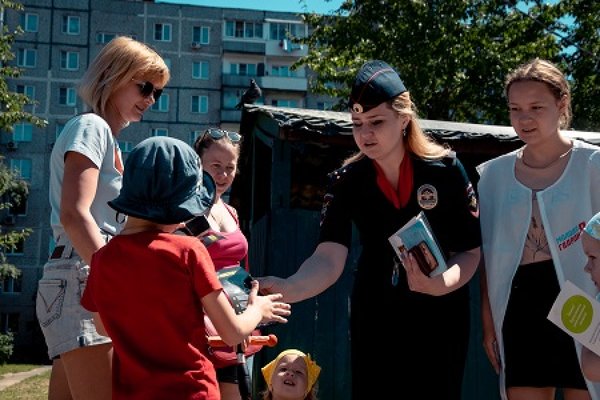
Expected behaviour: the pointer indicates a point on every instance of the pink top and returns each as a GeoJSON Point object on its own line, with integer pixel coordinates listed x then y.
{"type": "Point", "coordinates": [226, 248]}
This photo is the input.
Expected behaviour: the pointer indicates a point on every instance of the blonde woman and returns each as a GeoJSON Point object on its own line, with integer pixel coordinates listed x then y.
{"type": "Point", "coordinates": [86, 167]}
{"type": "Point", "coordinates": [397, 173]}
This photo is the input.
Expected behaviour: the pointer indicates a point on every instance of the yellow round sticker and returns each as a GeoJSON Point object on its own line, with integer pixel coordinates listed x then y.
{"type": "Point", "coordinates": [577, 313]}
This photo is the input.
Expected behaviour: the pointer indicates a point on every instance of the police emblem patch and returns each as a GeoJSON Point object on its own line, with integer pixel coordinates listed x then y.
{"type": "Point", "coordinates": [427, 197]}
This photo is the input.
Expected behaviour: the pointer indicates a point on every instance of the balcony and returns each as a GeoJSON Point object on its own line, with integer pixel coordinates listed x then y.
{"type": "Point", "coordinates": [243, 47]}
{"type": "Point", "coordinates": [283, 83]}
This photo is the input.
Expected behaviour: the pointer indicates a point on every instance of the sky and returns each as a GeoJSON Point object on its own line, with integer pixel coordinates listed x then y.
{"type": "Point", "coordinates": [318, 6]}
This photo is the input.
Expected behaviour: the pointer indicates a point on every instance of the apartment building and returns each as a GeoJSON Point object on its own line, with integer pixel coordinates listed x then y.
{"type": "Point", "coordinates": [212, 53]}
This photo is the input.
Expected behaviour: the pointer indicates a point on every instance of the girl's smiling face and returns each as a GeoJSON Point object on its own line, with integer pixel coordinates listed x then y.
{"type": "Point", "coordinates": [290, 378]}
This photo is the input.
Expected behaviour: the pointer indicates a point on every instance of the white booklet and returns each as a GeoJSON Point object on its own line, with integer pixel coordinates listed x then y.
{"type": "Point", "coordinates": [578, 314]}
{"type": "Point", "coordinates": [417, 237]}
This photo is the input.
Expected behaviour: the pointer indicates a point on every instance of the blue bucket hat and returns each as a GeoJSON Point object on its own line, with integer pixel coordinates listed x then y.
{"type": "Point", "coordinates": [375, 83]}
{"type": "Point", "coordinates": [163, 182]}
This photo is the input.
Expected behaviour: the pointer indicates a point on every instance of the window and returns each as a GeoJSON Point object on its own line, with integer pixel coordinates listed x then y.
{"type": "Point", "coordinates": [325, 105]}
{"type": "Point", "coordinates": [243, 29]}
{"type": "Point", "coordinates": [30, 22]}
{"type": "Point", "coordinates": [201, 34]}
{"type": "Point", "coordinates": [284, 103]}
{"type": "Point", "coordinates": [200, 104]}
{"type": "Point", "coordinates": [71, 25]}
{"type": "Point", "coordinates": [282, 70]}
{"type": "Point", "coordinates": [22, 168]}
{"type": "Point", "coordinates": [231, 98]}
{"type": "Point", "coordinates": [18, 209]}
{"type": "Point", "coordinates": [162, 105]}
{"type": "Point", "coordinates": [12, 285]}
{"type": "Point", "coordinates": [281, 30]}
{"type": "Point", "coordinates": [22, 132]}
{"type": "Point", "coordinates": [69, 60]}
{"type": "Point", "coordinates": [27, 58]}
{"type": "Point", "coordinates": [9, 322]}
{"type": "Point", "coordinates": [67, 97]}
{"type": "Point", "coordinates": [243, 69]}
{"type": "Point", "coordinates": [58, 129]}
{"type": "Point", "coordinates": [200, 70]}
{"type": "Point", "coordinates": [17, 250]}
{"type": "Point", "coordinates": [162, 32]}
{"type": "Point", "coordinates": [103, 37]}
{"type": "Point", "coordinates": [193, 136]}
{"type": "Point", "coordinates": [125, 146]}
{"type": "Point", "coordinates": [27, 90]}
{"type": "Point", "coordinates": [159, 132]}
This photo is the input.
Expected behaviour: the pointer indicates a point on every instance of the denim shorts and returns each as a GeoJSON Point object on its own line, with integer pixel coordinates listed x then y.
{"type": "Point", "coordinates": [65, 323]}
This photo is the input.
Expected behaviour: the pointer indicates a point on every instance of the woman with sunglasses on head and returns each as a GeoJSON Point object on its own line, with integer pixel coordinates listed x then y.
{"type": "Point", "coordinates": [219, 151]}
{"type": "Point", "coordinates": [86, 168]}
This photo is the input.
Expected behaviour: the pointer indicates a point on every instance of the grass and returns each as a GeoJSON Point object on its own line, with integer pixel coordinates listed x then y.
{"type": "Point", "coordinates": [12, 368]}
{"type": "Point", "coordinates": [34, 388]}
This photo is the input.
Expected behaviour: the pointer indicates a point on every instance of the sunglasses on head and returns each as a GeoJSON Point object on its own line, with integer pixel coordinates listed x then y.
{"type": "Point", "coordinates": [217, 134]}
{"type": "Point", "coordinates": [147, 89]}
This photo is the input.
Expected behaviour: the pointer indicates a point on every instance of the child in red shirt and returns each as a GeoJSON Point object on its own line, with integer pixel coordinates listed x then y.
{"type": "Point", "coordinates": [151, 287]}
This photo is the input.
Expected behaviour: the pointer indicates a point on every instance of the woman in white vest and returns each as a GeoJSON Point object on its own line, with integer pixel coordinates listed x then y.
{"type": "Point", "coordinates": [535, 202]}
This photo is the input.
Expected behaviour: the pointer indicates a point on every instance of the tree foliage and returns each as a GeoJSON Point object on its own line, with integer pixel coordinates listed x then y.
{"type": "Point", "coordinates": [453, 55]}
{"type": "Point", "coordinates": [12, 110]}
{"type": "Point", "coordinates": [583, 64]}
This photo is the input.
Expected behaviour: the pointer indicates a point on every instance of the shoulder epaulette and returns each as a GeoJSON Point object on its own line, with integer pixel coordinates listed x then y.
{"type": "Point", "coordinates": [338, 174]}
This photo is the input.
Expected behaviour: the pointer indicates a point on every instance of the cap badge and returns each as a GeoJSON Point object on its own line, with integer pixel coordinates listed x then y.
{"type": "Point", "coordinates": [357, 108]}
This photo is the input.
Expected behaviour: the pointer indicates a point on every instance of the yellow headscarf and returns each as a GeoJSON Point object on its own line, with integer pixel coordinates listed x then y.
{"type": "Point", "coordinates": [313, 369]}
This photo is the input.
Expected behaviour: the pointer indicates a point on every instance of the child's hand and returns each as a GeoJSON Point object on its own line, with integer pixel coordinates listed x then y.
{"type": "Point", "coordinates": [271, 309]}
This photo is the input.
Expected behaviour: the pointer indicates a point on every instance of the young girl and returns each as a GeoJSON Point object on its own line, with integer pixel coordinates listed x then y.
{"type": "Point", "coordinates": [292, 375]}
{"type": "Point", "coordinates": [590, 240]}
{"type": "Point", "coordinates": [533, 202]}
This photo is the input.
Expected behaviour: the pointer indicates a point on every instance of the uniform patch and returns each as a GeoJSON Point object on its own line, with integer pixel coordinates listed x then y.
{"type": "Point", "coordinates": [326, 200]}
{"type": "Point", "coordinates": [473, 203]}
{"type": "Point", "coordinates": [427, 197]}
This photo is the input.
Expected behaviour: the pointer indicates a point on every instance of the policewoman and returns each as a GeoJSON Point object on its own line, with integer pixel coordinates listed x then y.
{"type": "Point", "coordinates": [397, 173]}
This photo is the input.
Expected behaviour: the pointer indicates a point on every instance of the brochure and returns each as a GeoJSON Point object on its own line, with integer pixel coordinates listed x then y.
{"type": "Point", "coordinates": [417, 237]}
{"type": "Point", "coordinates": [578, 314]}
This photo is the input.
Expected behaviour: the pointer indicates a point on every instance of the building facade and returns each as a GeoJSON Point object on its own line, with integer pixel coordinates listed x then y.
{"type": "Point", "coordinates": [212, 53]}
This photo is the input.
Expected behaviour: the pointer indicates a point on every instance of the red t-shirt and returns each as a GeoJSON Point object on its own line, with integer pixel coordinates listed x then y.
{"type": "Point", "coordinates": [147, 288]}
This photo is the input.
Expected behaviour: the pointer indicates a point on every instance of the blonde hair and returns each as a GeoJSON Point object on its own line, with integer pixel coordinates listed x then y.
{"type": "Point", "coordinates": [539, 70]}
{"type": "Point", "coordinates": [120, 61]}
{"type": "Point", "coordinates": [415, 140]}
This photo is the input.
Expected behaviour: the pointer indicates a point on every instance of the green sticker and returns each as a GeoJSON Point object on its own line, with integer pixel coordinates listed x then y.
{"type": "Point", "coordinates": [577, 314]}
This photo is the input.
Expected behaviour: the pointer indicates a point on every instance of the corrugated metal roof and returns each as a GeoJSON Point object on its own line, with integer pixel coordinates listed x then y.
{"type": "Point", "coordinates": [332, 123]}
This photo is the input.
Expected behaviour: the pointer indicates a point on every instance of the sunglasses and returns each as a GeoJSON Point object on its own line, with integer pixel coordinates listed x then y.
{"type": "Point", "coordinates": [217, 134]}
{"type": "Point", "coordinates": [147, 89]}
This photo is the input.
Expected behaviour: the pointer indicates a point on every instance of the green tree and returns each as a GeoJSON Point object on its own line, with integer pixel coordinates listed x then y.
{"type": "Point", "coordinates": [583, 56]}
{"type": "Point", "coordinates": [12, 189]}
{"type": "Point", "coordinates": [452, 54]}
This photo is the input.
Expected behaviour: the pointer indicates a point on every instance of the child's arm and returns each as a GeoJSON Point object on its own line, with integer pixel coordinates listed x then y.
{"type": "Point", "coordinates": [591, 364]}
{"type": "Point", "coordinates": [234, 328]}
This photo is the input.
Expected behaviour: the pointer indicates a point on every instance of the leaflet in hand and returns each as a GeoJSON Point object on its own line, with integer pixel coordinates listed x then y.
{"type": "Point", "coordinates": [578, 314]}
{"type": "Point", "coordinates": [417, 237]}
